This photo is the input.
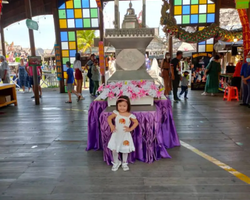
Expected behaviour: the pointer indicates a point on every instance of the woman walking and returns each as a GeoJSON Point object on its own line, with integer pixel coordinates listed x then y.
{"type": "Point", "coordinates": [95, 76]}
{"type": "Point", "coordinates": [22, 74]}
{"type": "Point", "coordinates": [212, 73]}
{"type": "Point", "coordinates": [78, 73]}
{"type": "Point", "coordinates": [165, 71]}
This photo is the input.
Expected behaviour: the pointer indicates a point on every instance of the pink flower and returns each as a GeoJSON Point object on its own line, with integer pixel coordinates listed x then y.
{"type": "Point", "coordinates": [100, 89]}
{"type": "Point", "coordinates": [130, 89]}
{"type": "Point", "coordinates": [119, 84]}
{"type": "Point", "coordinates": [133, 96]}
{"type": "Point", "coordinates": [108, 86]}
{"type": "Point", "coordinates": [142, 83]}
{"type": "Point", "coordinates": [142, 93]}
{"type": "Point", "coordinates": [111, 95]}
{"type": "Point", "coordinates": [158, 94]}
{"type": "Point", "coordinates": [121, 93]}
{"type": "Point", "coordinates": [153, 87]}
{"type": "Point", "coordinates": [134, 83]}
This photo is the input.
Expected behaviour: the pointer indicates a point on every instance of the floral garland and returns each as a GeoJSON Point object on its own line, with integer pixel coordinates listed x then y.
{"type": "Point", "coordinates": [132, 89]}
{"type": "Point", "coordinates": [170, 26]}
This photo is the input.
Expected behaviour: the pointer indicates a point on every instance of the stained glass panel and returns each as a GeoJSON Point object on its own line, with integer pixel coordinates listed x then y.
{"type": "Point", "coordinates": [199, 11]}
{"type": "Point", "coordinates": [84, 13]}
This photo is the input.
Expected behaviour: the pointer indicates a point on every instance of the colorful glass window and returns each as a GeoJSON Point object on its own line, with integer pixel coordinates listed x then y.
{"type": "Point", "coordinates": [206, 46]}
{"type": "Point", "coordinates": [78, 14]}
{"type": "Point", "coordinates": [188, 12]}
{"type": "Point", "coordinates": [68, 43]}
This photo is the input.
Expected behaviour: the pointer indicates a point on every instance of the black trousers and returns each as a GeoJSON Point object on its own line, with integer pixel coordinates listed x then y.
{"type": "Point", "coordinates": [176, 83]}
{"type": "Point", "coordinates": [236, 82]}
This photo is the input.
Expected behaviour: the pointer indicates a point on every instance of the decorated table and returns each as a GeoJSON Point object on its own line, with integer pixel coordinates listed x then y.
{"type": "Point", "coordinates": [156, 132]}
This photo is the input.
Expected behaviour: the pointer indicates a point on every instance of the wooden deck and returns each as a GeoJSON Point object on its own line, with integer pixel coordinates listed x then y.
{"type": "Point", "coordinates": [43, 157]}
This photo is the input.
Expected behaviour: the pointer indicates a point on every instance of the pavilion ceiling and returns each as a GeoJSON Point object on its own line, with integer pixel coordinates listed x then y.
{"type": "Point", "coordinates": [226, 3]}
{"type": "Point", "coordinates": [16, 10]}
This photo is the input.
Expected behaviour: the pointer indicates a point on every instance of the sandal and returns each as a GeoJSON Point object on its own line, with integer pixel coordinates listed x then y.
{"type": "Point", "coordinates": [68, 102]}
{"type": "Point", "coordinates": [79, 98]}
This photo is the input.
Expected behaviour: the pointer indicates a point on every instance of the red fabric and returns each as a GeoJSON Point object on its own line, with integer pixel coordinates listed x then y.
{"type": "Point", "coordinates": [246, 31]}
{"type": "Point", "coordinates": [238, 69]}
{"type": "Point", "coordinates": [78, 74]}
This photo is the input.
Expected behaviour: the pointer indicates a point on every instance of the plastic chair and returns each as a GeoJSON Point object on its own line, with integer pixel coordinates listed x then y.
{"type": "Point", "coordinates": [231, 93]}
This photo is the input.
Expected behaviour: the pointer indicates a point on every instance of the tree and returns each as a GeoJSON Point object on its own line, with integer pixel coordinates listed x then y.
{"type": "Point", "coordinates": [85, 40]}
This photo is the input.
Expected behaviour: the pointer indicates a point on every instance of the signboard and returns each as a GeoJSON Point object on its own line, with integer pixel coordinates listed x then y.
{"type": "Point", "coordinates": [58, 62]}
{"type": "Point", "coordinates": [32, 24]}
{"type": "Point", "coordinates": [35, 61]}
{"type": "Point", "coordinates": [101, 58]}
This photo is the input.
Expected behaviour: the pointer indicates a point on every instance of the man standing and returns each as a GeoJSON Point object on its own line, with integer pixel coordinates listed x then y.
{"type": "Point", "coordinates": [176, 74]}
{"type": "Point", "coordinates": [245, 74]}
{"type": "Point", "coordinates": [88, 66]}
{"type": "Point", "coordinates": [29, 70]}
{"type": "Point", "coordinates": [4, 70]}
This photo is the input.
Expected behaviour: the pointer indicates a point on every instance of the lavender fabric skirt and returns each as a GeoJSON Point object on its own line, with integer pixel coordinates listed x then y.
{"type": "Point", "coordinates": [156, 132]}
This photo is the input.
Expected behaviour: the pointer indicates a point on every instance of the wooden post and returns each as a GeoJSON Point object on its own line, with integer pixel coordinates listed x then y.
{"type": "Point", "coordinates": [33, 51]}
{"type": "Point", "coordinates": [101, 28]}
{"type": "Point", "coordinates": [143, 13]}
{"type": "Point", "coordinates": [170, 39]}
{"type": "Point", "coordinates": [2, 37]}
{"type": "Point", "coordinates": [58, 41]}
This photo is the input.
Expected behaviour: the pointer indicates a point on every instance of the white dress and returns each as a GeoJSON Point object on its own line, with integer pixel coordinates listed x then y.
{"type": "Point", "coordinates": [120, 140]}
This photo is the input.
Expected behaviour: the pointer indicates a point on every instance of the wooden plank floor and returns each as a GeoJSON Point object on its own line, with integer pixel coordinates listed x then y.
{"type": "Point", "coordinates": [43, 157]}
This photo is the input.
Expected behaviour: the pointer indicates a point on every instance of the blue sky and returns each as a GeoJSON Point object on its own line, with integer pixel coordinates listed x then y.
{"type": "Point", "coordinates": [45, 36]}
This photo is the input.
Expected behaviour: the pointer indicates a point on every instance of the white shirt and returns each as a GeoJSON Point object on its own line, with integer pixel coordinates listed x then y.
{"type": "Point", "coordinates": [4, 66]}
{"type": "Point", "coordinates": [78, 65]}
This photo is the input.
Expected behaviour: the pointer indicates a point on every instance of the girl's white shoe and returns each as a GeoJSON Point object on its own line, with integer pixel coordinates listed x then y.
{"type": "Point", "coordinates": [116, 166]}
{"type": "Point", "coordinates": [125, 166]}
{"type": "Point", "coordinates": [212, 94]}
{"type": "Point", "coordinates": [204, 94]}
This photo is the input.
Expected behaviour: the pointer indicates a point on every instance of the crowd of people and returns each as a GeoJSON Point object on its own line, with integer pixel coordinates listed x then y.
{"type": "Point", "coordinates": [172, 73]}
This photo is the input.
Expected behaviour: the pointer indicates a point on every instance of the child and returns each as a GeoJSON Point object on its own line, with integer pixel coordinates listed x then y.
{"type": "Point", "coordinates": [184, 84]}
{"type": "Point", "coordinates": [69, 83]}
{"type": "Point", "coordinates": [95, 76]}
{"type": "Point", "coordinates": [121, 140]}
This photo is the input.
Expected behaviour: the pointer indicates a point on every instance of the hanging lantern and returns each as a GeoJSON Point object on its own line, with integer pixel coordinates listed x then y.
{"type": "Point", "coordinates": [1, 5]}
{"type": "Point", "coordinates": [98, 2]}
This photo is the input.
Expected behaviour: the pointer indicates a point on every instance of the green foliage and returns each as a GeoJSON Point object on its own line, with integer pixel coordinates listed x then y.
{"type": "Point", "coordinates": [85, 40]}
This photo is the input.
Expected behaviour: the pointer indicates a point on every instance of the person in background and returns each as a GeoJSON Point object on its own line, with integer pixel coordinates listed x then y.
{"type": "Point", "coordinates": [245, 75]}
{"type": "Point", "coordinates": [176, 73]}
{"type": "Point", "coordinates": [70, 83]}
{"type": "Point", "coordinates": [78, 73]}
{"type": "Point", "coordinates": [230, 68]}
{"type": "Point", "coordinates": [29, 71]}
{"type": "Point", "coordinates": [184, 84]}
{"type": "Point", "coordinates": [236, 80]}
{"type": "Point", "coordinates": [165, 71]}
{"type": "Point", "coordinates": [221, 56]}
{"type": "Point", "coordinates": [95, 76]}
{"type": "Point", "coordinates": [88, 66]}
{"type": "Point", "coordinates": [4, 70]}
{"type": "Point", "coordinates": [22, 74]}
{"type": "Point", "coordinates": [212, 73]}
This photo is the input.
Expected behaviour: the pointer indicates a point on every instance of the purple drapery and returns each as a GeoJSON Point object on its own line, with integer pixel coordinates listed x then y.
{"type": "Point", "coordinates": [155, 133]}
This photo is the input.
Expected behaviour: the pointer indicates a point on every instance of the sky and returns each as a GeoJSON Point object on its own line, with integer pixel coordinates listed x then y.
{"type": "Point", "coordinates": [45, 36]}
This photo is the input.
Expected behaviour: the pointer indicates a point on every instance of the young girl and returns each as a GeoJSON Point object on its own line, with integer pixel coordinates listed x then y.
{"type": "Point", "coordinates": [121, 140]}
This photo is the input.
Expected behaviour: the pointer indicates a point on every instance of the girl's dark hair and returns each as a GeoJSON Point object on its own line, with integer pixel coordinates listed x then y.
{"type": "Point", "coordinates": [78, 56]}
{"type": "Point", "coordinates": [121, 99]}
